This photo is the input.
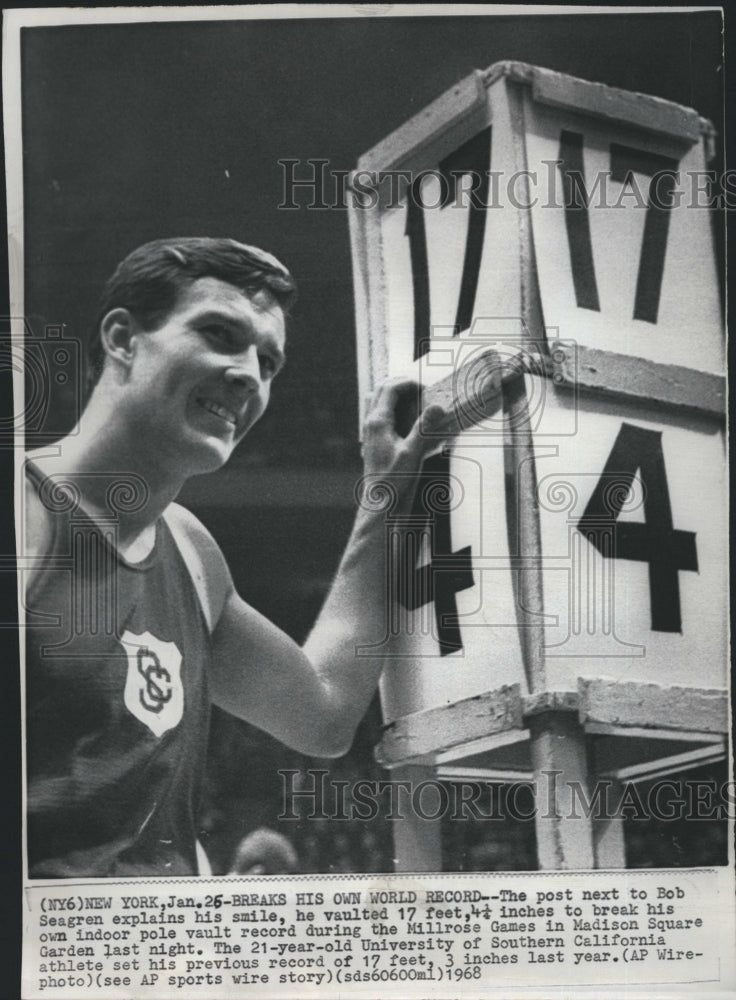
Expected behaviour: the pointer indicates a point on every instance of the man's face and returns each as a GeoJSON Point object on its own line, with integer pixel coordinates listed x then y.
{"type": "Point", "coordinates": [202, 379]}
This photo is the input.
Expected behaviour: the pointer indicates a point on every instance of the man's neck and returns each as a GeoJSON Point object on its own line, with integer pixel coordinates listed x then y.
{"type": "Point", "coordinates": [116, 478]}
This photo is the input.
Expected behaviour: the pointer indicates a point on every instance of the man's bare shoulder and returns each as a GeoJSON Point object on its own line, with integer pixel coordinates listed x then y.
{"type": "Point", "coordinates": [189, 522]}
{"type": "Point", "coordinates": [184, 523]}
{"type": "Point", "coordinates": [204, 560]}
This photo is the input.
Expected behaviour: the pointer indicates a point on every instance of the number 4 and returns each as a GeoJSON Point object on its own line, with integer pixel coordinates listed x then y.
{"type": "Point", "coordinates": [654, 541]}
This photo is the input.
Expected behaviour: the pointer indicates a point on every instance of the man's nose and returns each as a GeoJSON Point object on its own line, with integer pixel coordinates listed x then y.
{"type": "Point", "coordinates": [245, 370]}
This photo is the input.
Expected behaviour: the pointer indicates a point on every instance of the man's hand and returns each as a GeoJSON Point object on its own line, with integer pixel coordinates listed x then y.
{"type": "Point", "coordinates": [398, 436]}
{"type": "Point", "coordinates": [313, 699]}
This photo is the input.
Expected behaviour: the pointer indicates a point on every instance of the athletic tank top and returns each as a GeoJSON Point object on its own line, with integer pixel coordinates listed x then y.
{"type": "Point", "coordinates": [117, 706]}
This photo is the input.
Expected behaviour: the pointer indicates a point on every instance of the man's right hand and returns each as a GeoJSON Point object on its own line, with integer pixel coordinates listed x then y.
{"type": "Point", "coordinates": [387, 452]}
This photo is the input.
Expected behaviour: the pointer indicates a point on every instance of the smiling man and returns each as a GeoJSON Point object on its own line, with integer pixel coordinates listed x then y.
{"type": "Point", "coordinates": [134, 625]}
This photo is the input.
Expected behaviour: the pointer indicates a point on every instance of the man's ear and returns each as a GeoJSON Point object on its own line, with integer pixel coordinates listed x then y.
{"type": "Point", "coordinates": [117, 334]}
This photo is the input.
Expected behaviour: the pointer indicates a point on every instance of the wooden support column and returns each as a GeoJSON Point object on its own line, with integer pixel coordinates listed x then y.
{"type": "Point", "coordinates": [608, 834]}
{"type": "Point", "coordinates": [559, 759]}
{"type": "Point", "coordinates": [417, 841]}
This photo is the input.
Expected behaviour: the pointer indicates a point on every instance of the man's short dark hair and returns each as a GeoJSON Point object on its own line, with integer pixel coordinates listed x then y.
{"type": "Point", "coordinates": [150, 279]}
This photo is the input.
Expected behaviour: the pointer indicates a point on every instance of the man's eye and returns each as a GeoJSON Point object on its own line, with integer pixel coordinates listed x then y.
{"type": "Point", "coordinates": [219, 334]}
{"type": "Point", "coordinates": [268, 365]}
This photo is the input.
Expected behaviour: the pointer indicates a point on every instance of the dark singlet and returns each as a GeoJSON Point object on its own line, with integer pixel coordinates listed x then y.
{"type": "Point", "coordinates": [117, 706]}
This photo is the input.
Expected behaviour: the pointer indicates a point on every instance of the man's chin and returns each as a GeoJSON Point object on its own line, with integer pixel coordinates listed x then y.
{"type": "Point", "coordinates": [211, 452]}
{"type": "Point", "coordinates": [210, 455]}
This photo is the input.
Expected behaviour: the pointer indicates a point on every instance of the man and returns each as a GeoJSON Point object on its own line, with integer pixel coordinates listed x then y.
{"type": "Point", "coordinates": [127, 649]}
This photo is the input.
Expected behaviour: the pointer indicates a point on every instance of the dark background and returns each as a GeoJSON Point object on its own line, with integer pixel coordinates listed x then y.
{"type": "Point", "coordinates": [133, 132]}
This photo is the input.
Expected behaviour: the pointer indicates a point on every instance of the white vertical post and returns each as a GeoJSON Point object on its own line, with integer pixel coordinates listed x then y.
{"type": "Point", "coordinates": [559, 759]}
{"type": "Point", "coordinates": [417, 841]}
{"type": "Point", "coordinates": [608, 833]}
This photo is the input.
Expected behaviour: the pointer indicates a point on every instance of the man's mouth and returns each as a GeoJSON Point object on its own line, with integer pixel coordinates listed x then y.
{"type": "Point", "coordinates": [219, 411]}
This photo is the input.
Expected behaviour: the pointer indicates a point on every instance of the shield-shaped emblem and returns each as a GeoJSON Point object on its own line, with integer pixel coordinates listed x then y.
{"type": "Point", "coordinates": [153, 687]}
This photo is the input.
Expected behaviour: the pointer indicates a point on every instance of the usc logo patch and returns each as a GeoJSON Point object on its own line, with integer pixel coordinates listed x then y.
{"type": "Point", "coordinates": [153, 688]}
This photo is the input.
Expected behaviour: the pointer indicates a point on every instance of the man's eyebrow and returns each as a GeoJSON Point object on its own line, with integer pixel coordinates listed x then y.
{"type": "Point", "coordinates": [221, 316]}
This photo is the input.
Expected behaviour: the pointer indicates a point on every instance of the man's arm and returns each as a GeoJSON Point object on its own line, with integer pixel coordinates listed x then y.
{"type": "Point", "coordinates": [313, 698]}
